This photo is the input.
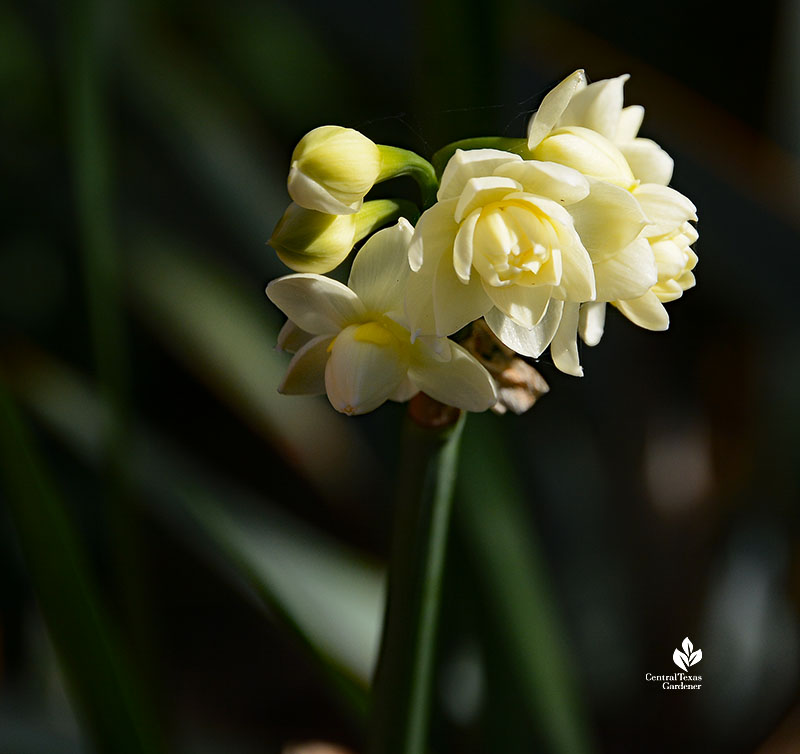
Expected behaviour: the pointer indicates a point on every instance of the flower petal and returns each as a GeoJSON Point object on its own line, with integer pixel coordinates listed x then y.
{"type": "Point", "coordinates": [607, 220]}
{"type": "Point", "coordinates": [553, 105]}
{"type": "Point", "coordinates": [548, 179]}
{"type": "Point", "coordinates": [628, 274]}
{"type": "Point", "coordinates": [630, 121]}
{"type": "Point", "coordinates": [577, 272]}
{"type": "Point", "coordinates": [461, 382]}
{"type": "Point", "coordinates": [666, 208]}
{"type": "Point", "coordinates": [361, 374]}
{"type": "Point", "coordinates": [455, 303]}
{"type": "Point", "coordinates": [470, 163]}
{"type": "Point", "coordinates": [291, 338]}
{"type": "Point", "coordinates": [308, 193]}
{"type": "Point", "coordinates": [463, 247]}
{"type": "Point", "coordinates": [526, 341]}
{"type": "Point", "coordinates": [597, 106]}
{"type": "Point", "coordinates": [524, 304]}
{"type": "Point", "coordinates": [648, 161]}
{"type": "Point", "coordinates": [592, 322]}
{"type": "Point", "coordinates": [306, 372]}
{"type": "Point", "coordinates": [316, 304]}
{"type": "Point", "coordinates": [380, 268]}
{"type": "Point", "coordinates": [564, 348]}
{"type": "Point", "coordinates": [405, 392]}
{"type": "Point", "coordinates": [646, 311]}
{"type": "Point", "coordinates": [483, 190]}
{"type": "Point", "coordinates": [434, 232]}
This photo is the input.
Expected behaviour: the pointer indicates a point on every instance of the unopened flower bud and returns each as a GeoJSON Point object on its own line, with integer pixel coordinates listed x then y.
{"type": "Point", "coordinates": [333, 169]}
{"type": "Point", "coordinates": [309, 241]}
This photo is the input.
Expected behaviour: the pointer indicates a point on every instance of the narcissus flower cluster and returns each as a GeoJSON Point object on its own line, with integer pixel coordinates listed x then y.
{"type": "Point", "coordinates": [535, 236]}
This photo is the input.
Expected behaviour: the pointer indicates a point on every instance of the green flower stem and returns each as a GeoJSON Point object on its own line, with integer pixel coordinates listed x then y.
{"type": "Point", "coordinates": [379, 212]}
{"type": "Point", "coordinates": [517, 146]}
{"type": "Point", "coordinates": [401, 695]}
{"type": "Point", "coordinates": [102, 683]}
{"type": "Point", "coordinates": [396, 162]}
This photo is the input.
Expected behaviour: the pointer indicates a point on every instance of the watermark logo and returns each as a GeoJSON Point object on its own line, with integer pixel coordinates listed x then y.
{"type": "Point", "coordinates": [684, 660]}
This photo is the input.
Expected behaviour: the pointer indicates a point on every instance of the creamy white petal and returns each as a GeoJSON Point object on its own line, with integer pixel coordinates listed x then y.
{"type": "Point", "coordinates": [666, 208]}
{"type": "Point", "coordinates": [360, 375]}
{"type": "Point", "coordinates": [592, 322]}
{"type": "Point", "coordinates": [525, 305]}
{"type": "Point", "coordinates": [461, 382]}
{"type": "Point", "coordinates": [553, 105]}
{"type": "Point", "coordinates": [455, 303]}
{"type": "Point", "coordinates": [630, 121]}
{"type": "Point", "coordinates": [526, 341]}
{"type": "Point", "coordinates": [646, 311]}
{"type": "Point", "coordinates": [463, 246]}
{"type": "Point", "coordinates": [607, 220]}
{"type": "Point", "coordinates": [419, 311]}
{"type": "Point", "coordinates": [671, 259]}
{"type": "Point", "coordinates": [291, 338]}
{"type": "Point", "coordinates": [306, 372]}
{"type": "Point", "coordinates": [435, 231]}
{"type": "Point", "coordinates": [484, 190]}
{"type": "Point", "coordinates": [577, 272]}
{"type": "Point", "coordinates": [597, 106]}
{"type": "Point", "coordinates": [405, 392]}
{"type": "Point", "coordinates": [648, 161]}
{"type": "Point", "coordinates": [564, 348]}
{"type": "Point", "coordinates": [310, 194]}
{"type": "Point", "coordinates": [628, 274]}
{"type": "Point", "coordinates": [316, 304]}
{"type": "Point", "coordinates": [380, 268]}
{"type": "Point", "coordinates": [470, 163]}
{"type": "Point", "coordinates": [548, 179]}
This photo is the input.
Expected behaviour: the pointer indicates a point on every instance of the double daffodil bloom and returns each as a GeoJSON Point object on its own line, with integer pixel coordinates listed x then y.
{"type": "Point", "coordinates": [499, 243]}
{"type": "Point", "coordinates": [352, 341]}
{"type": "Point", "coordinates": [587, 127]}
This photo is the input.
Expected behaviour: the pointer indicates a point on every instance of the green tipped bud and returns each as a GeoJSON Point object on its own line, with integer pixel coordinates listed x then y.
{"type": "Point", "coordinates": [309, 241]}
{"type": "Point", "coordinates": [333, 169]}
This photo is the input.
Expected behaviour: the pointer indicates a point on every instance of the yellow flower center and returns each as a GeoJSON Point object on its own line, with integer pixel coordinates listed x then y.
{"type": "Point", "coordinates": [514, 243]}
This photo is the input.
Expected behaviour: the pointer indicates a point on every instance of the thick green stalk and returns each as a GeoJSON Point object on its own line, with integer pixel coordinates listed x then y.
{"type": "Point", "coordinates": [102, 684]}
{"type": "Point", "coordinates": [401, 696]}
{"type": "Point", "coordinates": [396, 162]}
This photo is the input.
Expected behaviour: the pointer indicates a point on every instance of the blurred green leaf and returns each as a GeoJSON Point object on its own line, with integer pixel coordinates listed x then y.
{"type": "Point", "coordinates": [213, 136]}
{"type": "Point", "coordinates": [102, 684]}
{"type": "Point", "coordinates": [226, 334]}
{"type": "Point", "coordinates": [510, 569]}
{"type": "Point", "coordinates": [331, 597]}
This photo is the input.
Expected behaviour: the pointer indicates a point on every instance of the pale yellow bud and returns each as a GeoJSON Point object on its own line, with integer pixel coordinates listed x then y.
{"type": "Point", "coordinates": [333, 169]}
{"type": "Point", "coordinates": [309, 241]}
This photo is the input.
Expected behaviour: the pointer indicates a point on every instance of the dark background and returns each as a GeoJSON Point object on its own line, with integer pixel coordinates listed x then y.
{"type": "Point", "coordinates": [144, 149]}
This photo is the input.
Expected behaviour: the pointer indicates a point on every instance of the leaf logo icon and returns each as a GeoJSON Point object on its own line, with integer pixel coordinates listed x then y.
{"type": "Point", "coordinates": [684, 660]}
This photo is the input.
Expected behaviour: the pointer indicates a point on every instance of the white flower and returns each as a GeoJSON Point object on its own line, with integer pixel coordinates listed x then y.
{"type": "Point", "coordinates": [587, 127]}
{"type": "Point", "coordinates": [352, 341]}
{"type": "Point", "coordinates": [675, 261]}
{"type": "Point", "coordinates": [333, 169]}
{"type": "Point", "coordinates": [500, 243]}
